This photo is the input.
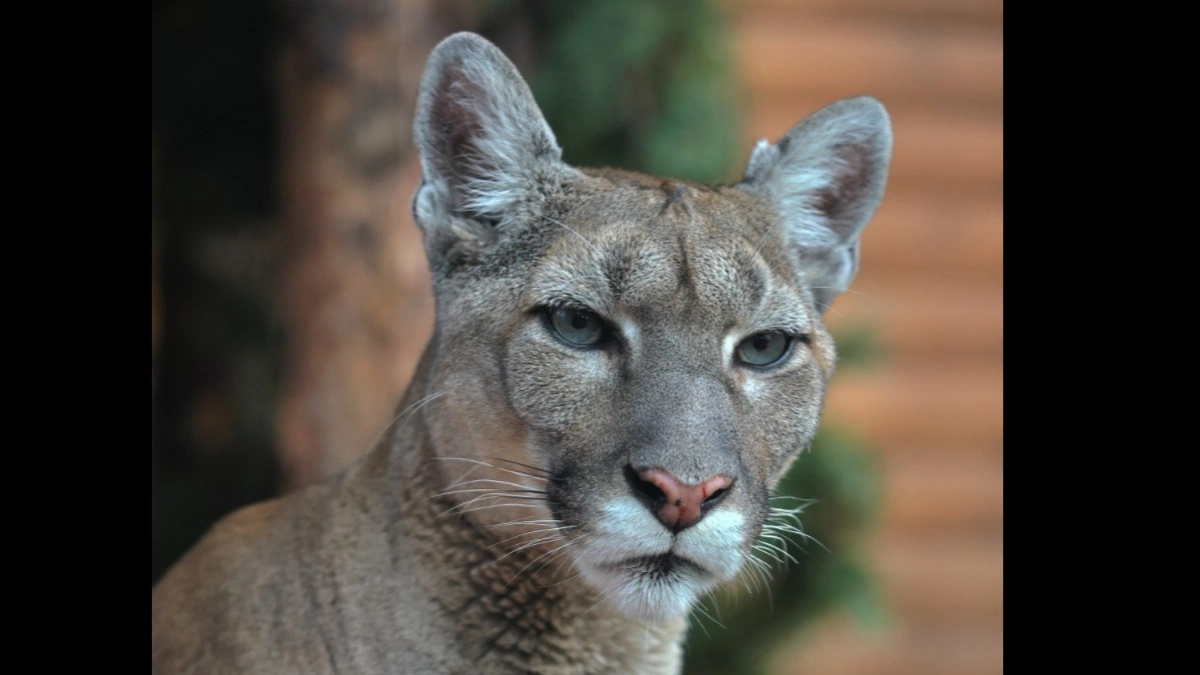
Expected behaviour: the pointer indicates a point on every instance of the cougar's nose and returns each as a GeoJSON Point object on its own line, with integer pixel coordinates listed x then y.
{"type": "Point", "coordinates": [676, 504]}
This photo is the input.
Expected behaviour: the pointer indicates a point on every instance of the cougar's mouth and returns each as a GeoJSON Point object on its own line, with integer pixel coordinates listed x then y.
{"type": "Point", "coordinates": [659, 586]}
{"type": "Point", "coordinates": [647, 571]}
{"type": "Point", "coordinates": [657, 567]}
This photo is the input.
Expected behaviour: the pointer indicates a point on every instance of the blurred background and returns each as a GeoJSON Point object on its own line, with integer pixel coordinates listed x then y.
{"type": "Point", "coordinates": [290, 297]}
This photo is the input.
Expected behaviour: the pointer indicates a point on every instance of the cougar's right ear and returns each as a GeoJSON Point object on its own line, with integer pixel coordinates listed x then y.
{"type": "Point", "coordinates": [826, 178]}
{"type": "Point", "coordinates": [484, 144]}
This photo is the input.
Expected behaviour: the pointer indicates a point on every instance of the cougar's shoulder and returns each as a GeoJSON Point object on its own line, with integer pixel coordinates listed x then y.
{"type": "Point", "coordinates": [237, 593]}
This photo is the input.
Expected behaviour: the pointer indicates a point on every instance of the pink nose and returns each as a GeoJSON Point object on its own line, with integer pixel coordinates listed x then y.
{"type": "Point", "coordinates": [676, 504]}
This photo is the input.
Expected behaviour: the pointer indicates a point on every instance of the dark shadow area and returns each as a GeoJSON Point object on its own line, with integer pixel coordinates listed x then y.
{"type": "Point", "coordinates": [215, 349]}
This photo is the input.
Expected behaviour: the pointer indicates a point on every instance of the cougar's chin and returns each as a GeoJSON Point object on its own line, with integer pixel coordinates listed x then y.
{"type": "Point", "coordinates": [654, 588]}
{"type": "Point", "coordinates": [646, 572]}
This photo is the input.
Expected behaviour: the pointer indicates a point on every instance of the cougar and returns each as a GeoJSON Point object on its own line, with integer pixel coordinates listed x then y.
{"type": "Point", "coordinates": [621, 369]}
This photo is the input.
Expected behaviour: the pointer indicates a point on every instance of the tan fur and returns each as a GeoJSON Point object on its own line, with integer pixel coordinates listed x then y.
{"type": "Point", "coordinates": [498, 526]}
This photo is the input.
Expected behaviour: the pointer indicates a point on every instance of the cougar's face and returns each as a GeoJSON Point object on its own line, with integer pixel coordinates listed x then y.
{"type": "Point", "coordinates": [647, 363]}
{"type": "Point", "coordinates": [628, 364]}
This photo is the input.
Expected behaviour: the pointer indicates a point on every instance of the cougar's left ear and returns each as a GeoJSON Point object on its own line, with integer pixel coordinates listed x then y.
{"type": "Point", "coordinates": [825, 177]}
{"type": "Point", "coordinates": [484, 144]}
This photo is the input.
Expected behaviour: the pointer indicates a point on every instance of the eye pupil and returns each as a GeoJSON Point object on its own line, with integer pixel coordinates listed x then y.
{"type": "Point", "coordinates": [577, 327]}
{"type": "Point", "coordinates": [764, 349]}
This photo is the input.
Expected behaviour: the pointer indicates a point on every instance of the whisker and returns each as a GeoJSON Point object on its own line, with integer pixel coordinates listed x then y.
{"type": "Point", "coordinates": [558, 558]}
{"type": "Point", "coordinates": [522, 547]}
{"type": "Point", "coordinates": [716, 608]}
{"type": "Point", "coordinates": [545, 521]}
{"type": "Point", "coordinates": [787, 521]}
{"type": "Point", "coordinates": [829, 308]}
{"type": "Point", "coordinates": [531, 562]}
{"type": "Point", "coordinates": [604, 595]}
{"type": "Point", "coordinates": [766, 234]}
{"type": "Point", "coordinates": [781, 549]}
{"type": "Point", "coordinates": [487, 480]}
{"type": "Point", "coordinates": [773, 555]}
{"type": "Point", "coordinates": [570, 578]}
{"type": "Point", "coordinates": [490, 466]}
{"type": "Point", "coordinates": [507, 493]}
{"type": "Point", "coordinates": [792, 533]}
{"type": "Point", "coordinates": [843, 290]}
{"type": "Point", "coordinates": [778, 513]}
{"type": "Point", "coordinates": [775, 537]}
{"type": "Point", "coordinates": [515, 493]}
{"type": "Point", "coordinates": [521, 464]}
{"type": "Point", "coordinates": [531, 532]}
{"type": "Point", "coordinates": [781, 524]}
{"type": "Point", "coordinates": [699, 607]}
{"type": "Point", "coordinates": [701, 623]}
{"type": "Point", "coordinates": [461, 507]}
{"type": "Point", "coordinates": [410, 410]}
{"type": "Point", "coordinates": [761, 573]}
{"type": "Point", "coordinates": [489, 506]}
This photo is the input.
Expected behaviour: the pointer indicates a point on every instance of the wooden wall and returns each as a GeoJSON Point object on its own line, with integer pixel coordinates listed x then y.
{"type": "Point", "coordinates": [930, 285]}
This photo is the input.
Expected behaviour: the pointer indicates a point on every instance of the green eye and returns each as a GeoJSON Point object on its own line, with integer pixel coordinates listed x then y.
{"type": "Point", "coordinates": [763, 349]}
{"type": "Point", "coordinates": [577, 327]}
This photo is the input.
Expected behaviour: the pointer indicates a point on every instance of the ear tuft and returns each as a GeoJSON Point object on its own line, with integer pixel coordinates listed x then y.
{"type": "Point", "coordinates": [826, 177]}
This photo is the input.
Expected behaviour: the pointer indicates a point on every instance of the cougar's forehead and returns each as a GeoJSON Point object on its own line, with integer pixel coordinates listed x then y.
{"type": "Point", "coordinates": [669, 249]}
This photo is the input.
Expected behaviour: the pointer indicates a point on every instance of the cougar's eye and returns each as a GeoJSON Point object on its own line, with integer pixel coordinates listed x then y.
{"type": "Point", "coordinates": [764, 349]}
{"type": "Point", "coordinates": [576, 326]}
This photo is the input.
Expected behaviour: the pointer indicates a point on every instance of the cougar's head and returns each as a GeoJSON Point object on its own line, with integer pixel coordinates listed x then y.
{"type": "Point", "coordinates": [626, 364]}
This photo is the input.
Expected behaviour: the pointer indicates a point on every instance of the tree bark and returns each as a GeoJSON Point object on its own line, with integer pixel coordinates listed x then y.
{"type": "Point", "coordinates": [355, 300]}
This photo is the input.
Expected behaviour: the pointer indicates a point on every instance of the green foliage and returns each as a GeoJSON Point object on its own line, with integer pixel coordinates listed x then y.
{"type": "Point", "coordinates": [638, 85]}
{"type": "Point", "coordinates": [858, 347]}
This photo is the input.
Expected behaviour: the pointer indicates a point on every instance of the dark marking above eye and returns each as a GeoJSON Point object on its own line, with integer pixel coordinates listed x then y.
{"type": "Point", "coordinates": [684, 273]}
{"type": "Point", "coordinates": [618, 266]}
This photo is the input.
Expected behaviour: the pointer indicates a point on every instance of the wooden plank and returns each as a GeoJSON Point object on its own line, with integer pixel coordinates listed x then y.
{"type": "Point", "coordinates": [930, 317]}
{"type": "Point", "coordinates": [940, 577]}
{"type": "Point", "coordinates": [955, 649]}
{"type": "Point", "coordinates": [838, 647]}
{"type": "Point", "coordinates": [941, 452]}
{"type": "Point", "coordinates": [905, 647]}
{"type": "Point", "coordinates": [906, 403]}
{"type": "Point", "coordinates": [988, 12]}
{"type": "Point", "coordinates": [933, 231]}
{"type": "Point", "coordinates": [947, 494]}
{"type": "Point", "coordinates": [781, 52]}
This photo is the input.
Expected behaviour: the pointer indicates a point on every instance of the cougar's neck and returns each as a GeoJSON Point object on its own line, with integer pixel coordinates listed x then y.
{"type": "Point", "coordinates": [510, 607]}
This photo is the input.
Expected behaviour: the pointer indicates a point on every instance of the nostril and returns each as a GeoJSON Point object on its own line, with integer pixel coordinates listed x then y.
{"type": "Point", "coordinates": [715, 498]}
{"type": "Point", "coordinates": [648, 492]}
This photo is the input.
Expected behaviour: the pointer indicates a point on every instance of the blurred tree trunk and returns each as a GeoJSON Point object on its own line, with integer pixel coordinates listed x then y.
{"type": "Point", "coordinates": [355, 301]}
